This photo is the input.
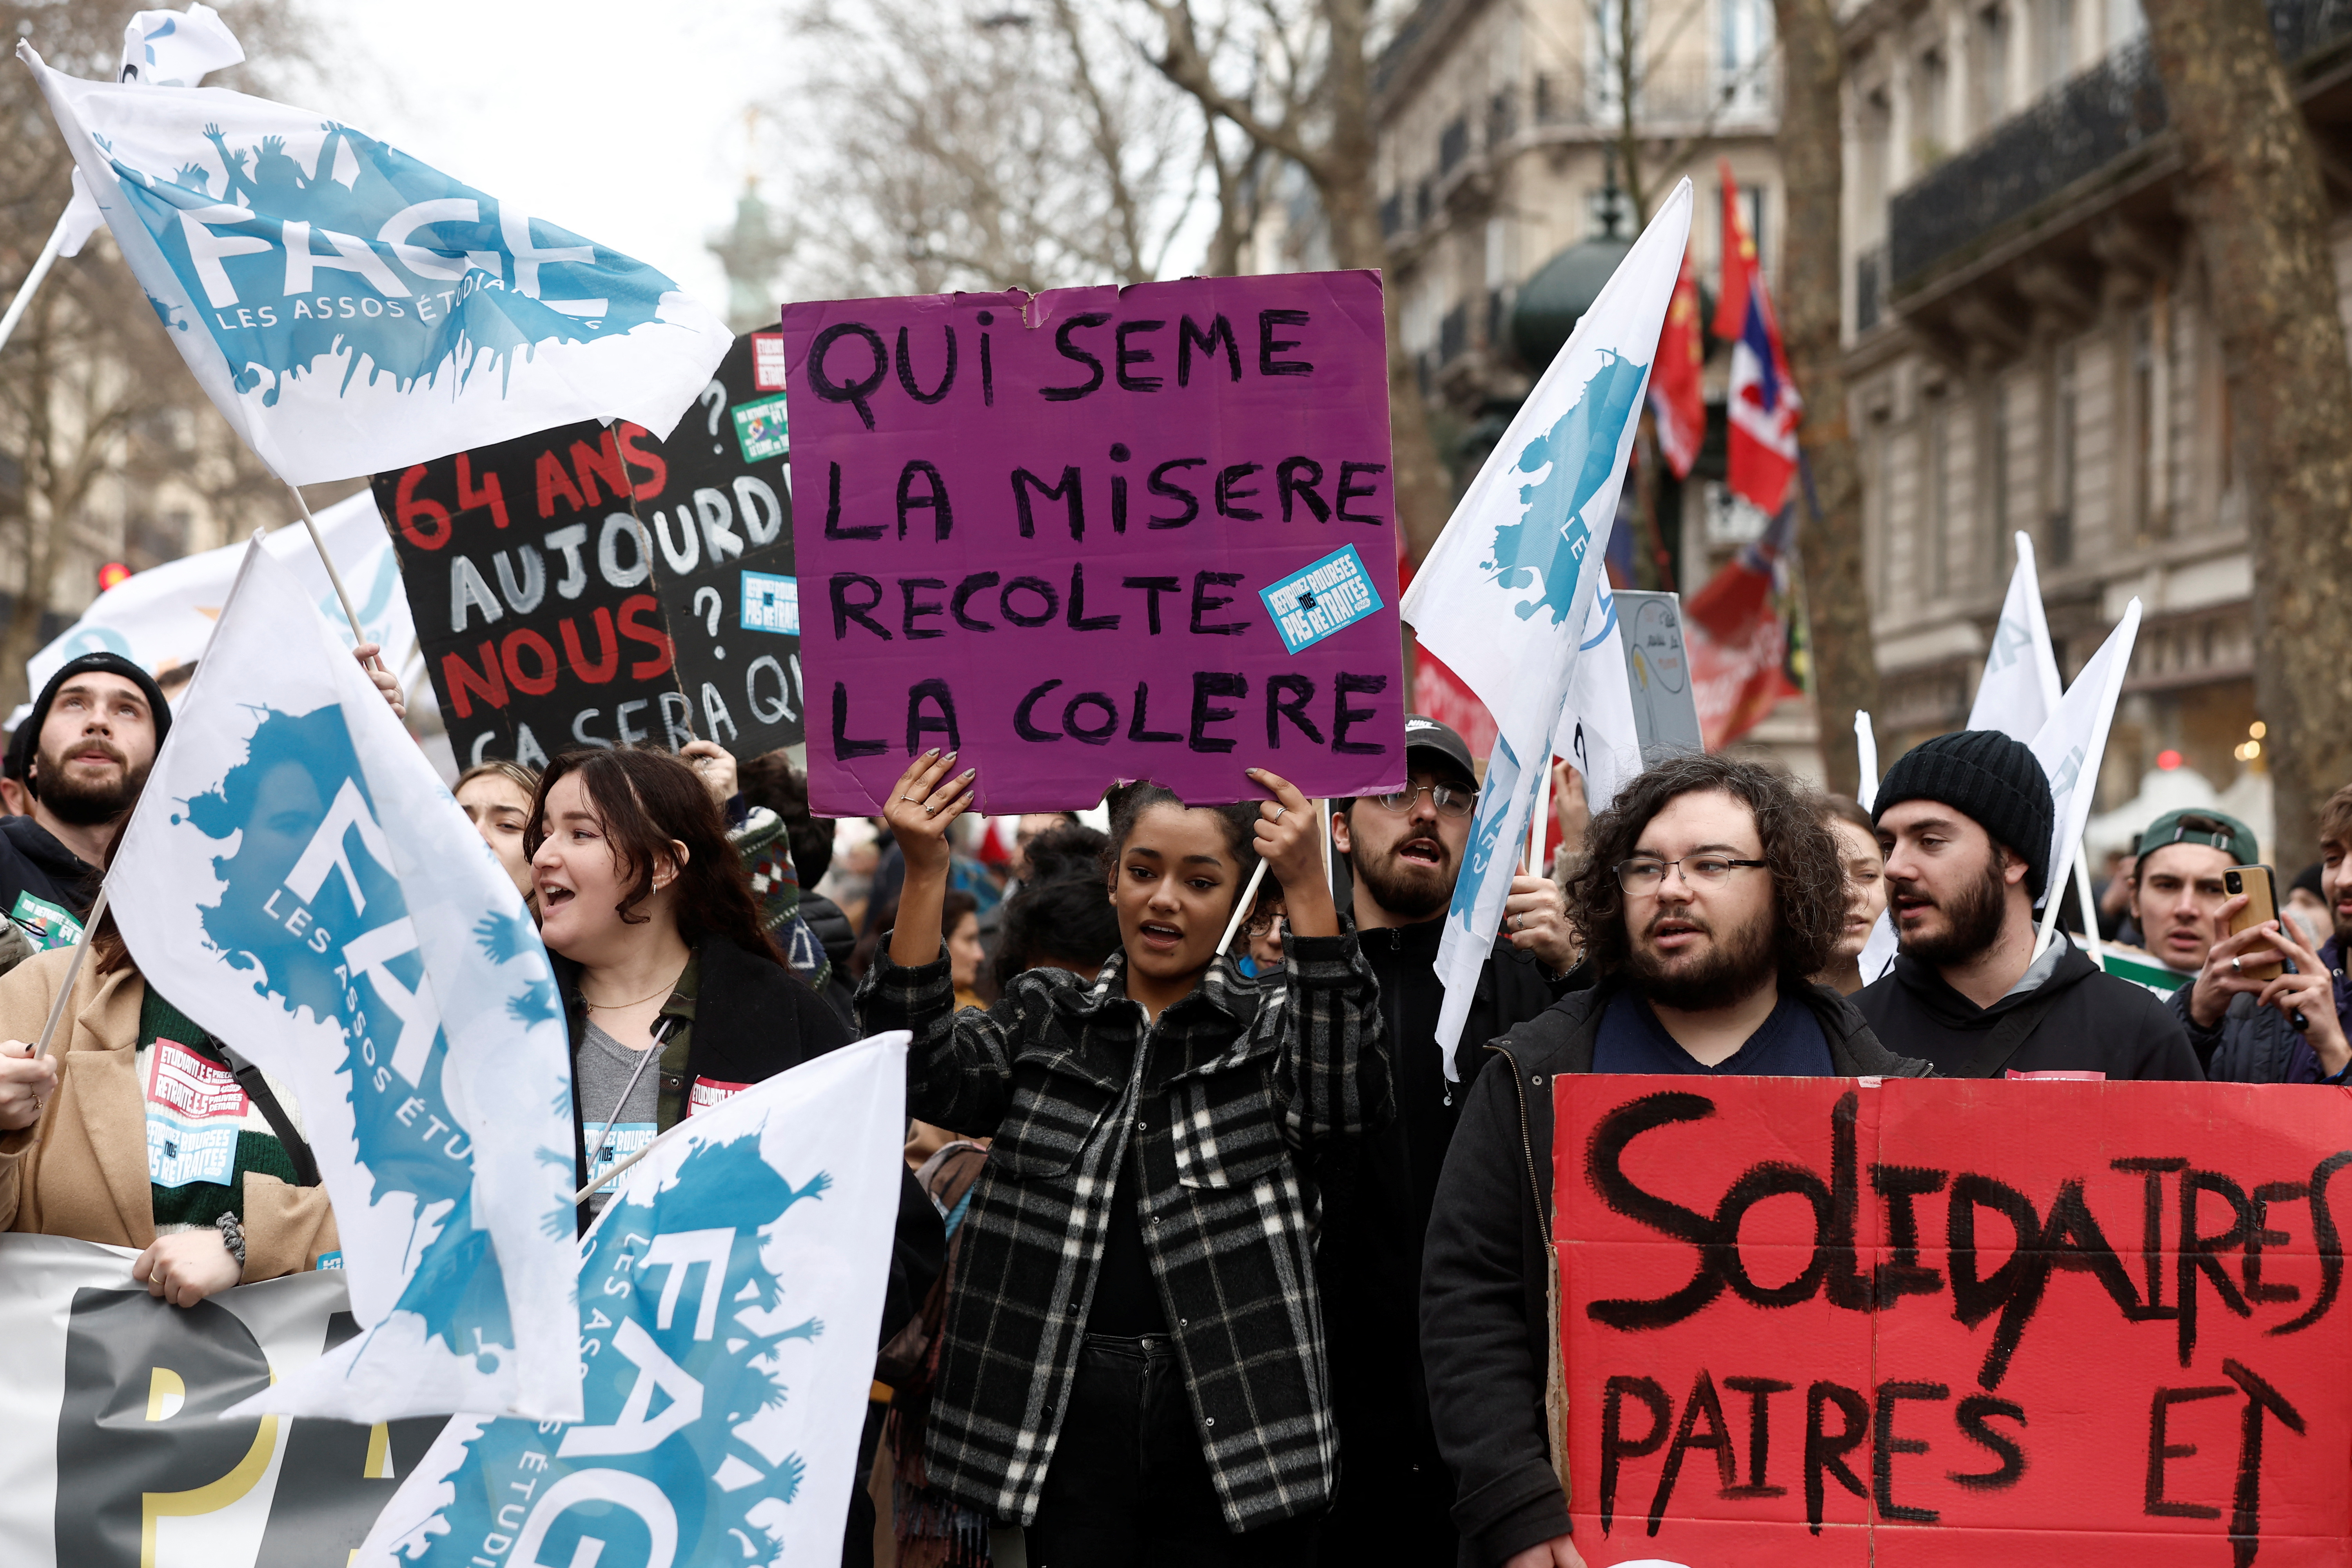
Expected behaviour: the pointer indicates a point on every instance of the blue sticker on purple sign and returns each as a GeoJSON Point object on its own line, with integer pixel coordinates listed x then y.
{"type": "Point", "coordinates": [1315, 600]}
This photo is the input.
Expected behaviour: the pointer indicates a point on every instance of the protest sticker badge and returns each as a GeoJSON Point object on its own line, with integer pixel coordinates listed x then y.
{"type": "Point", "coordinates": [1923, 1323]}
{"type": "Point", "coordinates": [1068, 535]}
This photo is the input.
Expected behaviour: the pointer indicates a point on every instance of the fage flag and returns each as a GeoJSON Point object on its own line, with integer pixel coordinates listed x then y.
{"type": "Point", "coordinates": [298, 881]}
{"type": "Point", "coordinates": [1506, 596]}
{"type": "Point", "coordinates": [350, 310]}
{"type": "Point", "coordinates": [731, 1296]}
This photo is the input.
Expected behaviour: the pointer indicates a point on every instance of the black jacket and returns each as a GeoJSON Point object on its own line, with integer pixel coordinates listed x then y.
{"type": "Point", "coordinates": [2086, 1021]}
{"type": "Point", "coordinates": [1489, 1280]}
{"type": "Point", "coordinates": [2252, 1044]}
{"type": "Point", "coordinates": [33, 861]}
{"type": "Point", "coordinates": [834, 932]}
{"type": "Point", "coordinates": [1394, 1491]}
{"type": "Point", "coordinates": [752, 1019]}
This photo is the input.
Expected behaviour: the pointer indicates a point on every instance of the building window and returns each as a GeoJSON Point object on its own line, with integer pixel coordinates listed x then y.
{"type": "Point", "coordinates": [1502, 117]}
{"type": "Point", "coordinates": [2057, 42]}
{"type": "Point", "coordinates": [1547, 98]}
{"type": "Point", "coordinates": [2146, 496]}
{"type": "Point", "coordinates": [1996, 476]}
{"type": "Point", "coordinates": [1931, 84]}
{"type": "Point", "coordinates": [1936, 501]}
{"type": "Point", "coordinates": [2059, 540]}
{"type": "Point", "coordinates": [1989, 71]}
{"type": "Point", "coordinates": [1743, 51]}
{"type": "Point", "coordinates": [1877, 496]}
{"type": "Point", "coordinates": [1453, 144]}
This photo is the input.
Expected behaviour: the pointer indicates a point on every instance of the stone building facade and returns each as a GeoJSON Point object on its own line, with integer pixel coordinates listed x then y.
{"type": "Point", "coordinates": [2031, 350]}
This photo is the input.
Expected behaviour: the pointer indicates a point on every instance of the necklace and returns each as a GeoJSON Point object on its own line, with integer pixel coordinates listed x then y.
{"type": "Point", "coordinates": [624, 1006]}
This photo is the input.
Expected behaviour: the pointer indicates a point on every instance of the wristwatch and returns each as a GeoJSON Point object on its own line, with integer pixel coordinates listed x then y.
{"type": "Point", "coordinates": [231, 1235]}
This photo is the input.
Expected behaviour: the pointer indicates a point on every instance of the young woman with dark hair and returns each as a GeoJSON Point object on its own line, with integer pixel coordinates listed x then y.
{"type": "Point", "coordinates": [657, 943]}
{"type": "Point", "coordinates": [1133, 1345]}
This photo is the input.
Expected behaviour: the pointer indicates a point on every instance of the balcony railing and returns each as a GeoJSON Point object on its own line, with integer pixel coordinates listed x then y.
{"type": "Point", "coordinates": [2087, 125]}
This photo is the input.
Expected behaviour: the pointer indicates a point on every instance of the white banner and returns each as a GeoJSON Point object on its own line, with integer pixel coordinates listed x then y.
{"type": "Point", "coordinates": [1505, 597]}
{"type": "Point", "coordinates": [164, 617]}
{"type": "Point", "coordinates": [350, 310]}
{"type": "Point", "coordinates": [118, 1455]}
{"type": "Point", "coordinates": [298, 880]}
{"type": "Point", "coordinates": [731, 1296]}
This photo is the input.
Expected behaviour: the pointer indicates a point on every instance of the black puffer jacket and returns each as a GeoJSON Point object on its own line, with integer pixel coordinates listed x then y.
{"type": "Point", "coordinates": [1488, 1281]}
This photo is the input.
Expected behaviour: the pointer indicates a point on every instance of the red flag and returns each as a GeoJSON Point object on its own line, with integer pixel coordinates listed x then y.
{"type": "Point", "coordinates": [1738, 639]}
{"type": "Point", "coordinates": [1675, 398]}
{"type": "Point", "coordinates": [1737, 261]}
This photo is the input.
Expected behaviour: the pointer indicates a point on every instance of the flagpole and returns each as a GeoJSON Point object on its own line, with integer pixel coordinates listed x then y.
{"type": "Point", "coordinates": [73, 973]}
{"type": "Point", "coordinates": [1536, 821]}
{"type": "Point", "coordinates": [2090, 903]}
{"type": "Point", "coordinates": [34, 280]}
{"type": "Point", "coordinates": [319, 542]}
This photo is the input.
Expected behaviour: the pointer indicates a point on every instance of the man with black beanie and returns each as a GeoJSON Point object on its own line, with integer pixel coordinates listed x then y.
{"type": "Point", "coordinates": [87, 745]}
{"type": "Point", "coordinates": [1965, 821]}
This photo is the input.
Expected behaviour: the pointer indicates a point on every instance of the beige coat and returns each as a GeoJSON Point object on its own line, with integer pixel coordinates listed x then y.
{"type": "Point", "coordinates": [81, 1170]}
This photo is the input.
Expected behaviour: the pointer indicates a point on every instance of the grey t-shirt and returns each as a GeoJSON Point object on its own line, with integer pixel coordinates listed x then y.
{"type": "Point", "coordinates": [604, 1068]}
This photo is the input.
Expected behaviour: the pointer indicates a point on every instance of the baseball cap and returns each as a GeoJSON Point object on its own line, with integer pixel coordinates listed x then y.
{"type": "Point", "coordinates": [2195, 825]}
{"type": "Point", "coordinates": [1424, 734]}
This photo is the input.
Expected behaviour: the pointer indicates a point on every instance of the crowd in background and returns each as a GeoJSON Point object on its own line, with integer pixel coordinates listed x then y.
{"type": "Point", "coordinates": [1208, 1250]}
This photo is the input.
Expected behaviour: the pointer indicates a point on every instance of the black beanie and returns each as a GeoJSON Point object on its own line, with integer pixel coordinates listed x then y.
{"type": "Point", "coordinates": [1989, 777]}
{"type": "Point", "coordinates": [27, 741]}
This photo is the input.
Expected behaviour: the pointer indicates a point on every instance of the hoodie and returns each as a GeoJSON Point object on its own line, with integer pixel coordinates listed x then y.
{"type": "Point", "coordinates": [41, 879]}
{"type": "Point", "coordinates": [2082, 1020]}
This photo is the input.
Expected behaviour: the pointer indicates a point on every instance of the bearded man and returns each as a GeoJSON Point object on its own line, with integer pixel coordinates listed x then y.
{"type": "Point", "coordinates": [1965, 821]}
{"type": "Point", "coordinates": [85, 746]}
{"type": "Point", "coordinates": [1712, 890]}
{"type": "Point", "coordinates": [1403, 852]}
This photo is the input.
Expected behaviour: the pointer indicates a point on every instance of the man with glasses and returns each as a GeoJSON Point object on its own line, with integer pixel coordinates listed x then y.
{"type": "Point", "coordinates": [1966, 820]}
{"type": "Point", "coordinates": [1712, 890]}
{"type": "Point", "coordinates": [1403, 852]}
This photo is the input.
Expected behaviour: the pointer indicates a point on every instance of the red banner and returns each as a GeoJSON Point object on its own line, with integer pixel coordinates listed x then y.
{"type": "Point", "coordinates": [1936, 1323]}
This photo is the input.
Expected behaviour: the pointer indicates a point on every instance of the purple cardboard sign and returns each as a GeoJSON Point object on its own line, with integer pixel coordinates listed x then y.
{"type": "Point", "coordinates": [1098, 534]}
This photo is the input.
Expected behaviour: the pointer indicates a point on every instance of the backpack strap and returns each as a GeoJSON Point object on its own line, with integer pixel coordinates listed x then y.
{"type": "Point", "coordinates": [256, 1087]}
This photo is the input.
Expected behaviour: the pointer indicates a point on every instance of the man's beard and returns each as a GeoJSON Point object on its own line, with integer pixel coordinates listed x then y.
{"type": "Point", "coordinates": [1974, 916]}
{"type": "Point", "coordinates": [86, 804]}
{"type": "Point", "coordinates": [1736, 965]}
{"type": "Point", "coordinates": [1405, 888]}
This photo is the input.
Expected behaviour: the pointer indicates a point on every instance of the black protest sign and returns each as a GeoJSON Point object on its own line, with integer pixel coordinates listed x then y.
{"type": "Point", "coordinates": [532, 586]}
{"type": "Point", "coordinates": [581, 586]}
{"type": "Point", "coordinates": [722, 532]}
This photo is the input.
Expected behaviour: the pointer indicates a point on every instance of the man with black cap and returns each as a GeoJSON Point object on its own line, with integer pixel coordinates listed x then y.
{"type": "Point", "coordinates": [1966, 820]}
{"type": "Point", "coordinates": [86, 748]}
{"type": "Point", "coordinates": [1403, 852]}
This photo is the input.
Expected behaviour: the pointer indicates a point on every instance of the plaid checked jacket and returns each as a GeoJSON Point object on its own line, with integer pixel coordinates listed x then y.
{"type": "Point", "coordinates": [1222, 1097]}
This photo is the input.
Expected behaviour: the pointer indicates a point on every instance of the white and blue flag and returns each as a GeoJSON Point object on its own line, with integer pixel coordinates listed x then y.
{"type": "Point", "coordinates": [298, 880]}
{"type": "Point", "coordinates": [1506, 594]}
{"type": "Point", "coordinates": [350, 310]}
{"type": "Point", "coordinates": [159, 48]}
{"type": "Point", "coordinates": [731, 1297]}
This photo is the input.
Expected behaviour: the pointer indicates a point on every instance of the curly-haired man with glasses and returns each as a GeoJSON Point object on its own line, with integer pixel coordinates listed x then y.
{"type": "Point", "coordinates": [1711, 891]}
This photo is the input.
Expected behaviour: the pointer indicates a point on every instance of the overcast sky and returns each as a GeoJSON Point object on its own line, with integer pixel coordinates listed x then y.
{"type": "Point", "coordinates": [622, 121]}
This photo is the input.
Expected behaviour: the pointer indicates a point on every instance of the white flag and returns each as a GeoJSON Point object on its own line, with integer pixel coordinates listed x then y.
{"type": "Point", "coordinates": [297, 880]}
{"type": "Point", "coordinates": [734, 1292]}
{"type": "Point", "coordinates": [1596, 730]}
{"type": "Point", "coordinates": [165, 616]}
{"type": "Point", "coordinates": [350, 310]}
{"type": "Point", "coordinates": [2074, 742]}
{"type": "Point", "coordinates": [159, 48]}
{"type": "Point", "coordinates": [2020, 688]}
{"type": "Point", "coordinates": [1506, 596]}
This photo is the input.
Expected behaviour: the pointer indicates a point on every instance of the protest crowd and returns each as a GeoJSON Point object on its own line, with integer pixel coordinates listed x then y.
{"type": "Point", "coordinates": [1188, 1151]}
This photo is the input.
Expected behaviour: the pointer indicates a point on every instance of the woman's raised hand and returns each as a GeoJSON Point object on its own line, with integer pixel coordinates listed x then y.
{"type": "Point", "coordinates": [923, 803]}
{"type": "Point", "coordinates": [1290, 840]}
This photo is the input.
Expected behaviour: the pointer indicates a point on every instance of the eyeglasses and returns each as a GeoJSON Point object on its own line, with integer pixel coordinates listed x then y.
{"type": "Point", "coordinates": [1645, 875]}
{"type": "Point", "coordinates": [1448, 800]}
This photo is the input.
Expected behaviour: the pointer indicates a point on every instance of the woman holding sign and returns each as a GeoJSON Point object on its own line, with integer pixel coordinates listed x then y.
{"type": "Point", "coordinates": [1133, 1348]}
